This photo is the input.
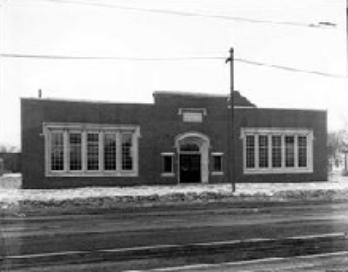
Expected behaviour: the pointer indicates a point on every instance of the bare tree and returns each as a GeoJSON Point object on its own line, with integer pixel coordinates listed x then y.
{"type": "Point", "coordinates": [337, 143]}
{"type": "Point", "coordinates": [4, 148]}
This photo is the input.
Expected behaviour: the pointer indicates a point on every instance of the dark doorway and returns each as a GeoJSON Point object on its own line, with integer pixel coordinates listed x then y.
{"type": "Point", "coordinates": [190, 168]}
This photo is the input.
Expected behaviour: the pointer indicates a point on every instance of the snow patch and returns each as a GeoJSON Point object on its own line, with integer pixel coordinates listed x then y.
{"type": "Point", "coordinates": [114, 197]}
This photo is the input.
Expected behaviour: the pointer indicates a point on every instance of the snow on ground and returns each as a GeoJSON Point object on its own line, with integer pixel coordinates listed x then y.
{"type": "Point", "coordinates": [10, 181]}
{"type": "Point", "coordinates": [10, 192]}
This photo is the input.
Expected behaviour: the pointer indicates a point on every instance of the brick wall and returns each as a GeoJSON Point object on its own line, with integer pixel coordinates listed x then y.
{"type": "Point", "coordinates": [159, 124]}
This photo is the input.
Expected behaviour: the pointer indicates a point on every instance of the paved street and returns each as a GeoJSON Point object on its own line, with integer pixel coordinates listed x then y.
{"type": "Point", "coordinates": [182, 225]}
{"type": "Point", "coordinates": [335, 262]}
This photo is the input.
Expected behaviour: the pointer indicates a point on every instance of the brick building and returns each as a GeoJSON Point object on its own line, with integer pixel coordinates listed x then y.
{"type": "Point", "coordinates": [180, 138]}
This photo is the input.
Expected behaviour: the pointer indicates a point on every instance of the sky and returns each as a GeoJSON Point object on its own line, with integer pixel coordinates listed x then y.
{"type": "Point", "coordinates": [157, 50]}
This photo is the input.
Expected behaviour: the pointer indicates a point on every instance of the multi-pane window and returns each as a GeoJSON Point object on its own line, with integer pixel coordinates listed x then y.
{"type": "Point", "coordinates": [217, 162]}
{"type": "Point", "coordinates": [268, 150]}
{"type": "Point", "coordinates": [263, 151]}
{"type": "Point", "coordinates": [110, 151]}
{"type": "Point", "coordinates": [302, 151]}
{"type": "Point", "coordinates": [167, 164]}
{"type": "Point", "coordinates": [250, 151]}
{"type": "Point", "coordinates": [289, 151]}
{"type": "Point", "coordinates": [57, 151]}
{"type": "Point", "coordinates": [127, 159]}
{"type": "Point", "coordinates": [276, 151]}
{"type": "Point", "coordinates": [92, 150]}
{"type": "Point", "coordinates": [75, 151]}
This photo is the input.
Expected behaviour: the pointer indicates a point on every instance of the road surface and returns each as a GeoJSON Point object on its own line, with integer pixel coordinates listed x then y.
{"type": "Point", "coordinates": [61, 242]}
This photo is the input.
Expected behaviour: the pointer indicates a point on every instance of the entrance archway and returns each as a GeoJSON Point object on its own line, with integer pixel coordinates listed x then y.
{"type": "Point", "coordinates": [192, 149]}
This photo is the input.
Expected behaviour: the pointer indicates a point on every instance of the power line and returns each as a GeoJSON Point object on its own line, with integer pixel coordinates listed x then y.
{"type": "Point", "coordinates": [61, 57]}
{"type": "Point", "coordinates": [290, 69]}
{"type": "Point", "coordinates": [197, 14]}
{"type": "Point", "coordinates": [153, 59]}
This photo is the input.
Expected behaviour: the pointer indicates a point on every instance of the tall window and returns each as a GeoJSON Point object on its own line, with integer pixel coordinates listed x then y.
{"type": "Point", "coordinates": [263, 151]}
{"type": "Point", "coordinates": [75, 162]}
{"type": "Point", "coordinates": [289, 151]}
{"type": "Point", "coordinates": [217, 162]}
{"type": "Point", "coordinates": [167, 164]}
{"type": "Point", "coordinates": [302, 151]}
{"type": "Point", "coordinates": [127, 160]}
{"type": "Point", "coordinates": [57, 151]}
{"type": "Point", "coordinates": [274, 150]}
{"type": "Point", "coordinates": [91, 149]}
{"type": "Point", "coordinates": [250, 151]}
{"type": "Point", "coordinates": [109, 151]}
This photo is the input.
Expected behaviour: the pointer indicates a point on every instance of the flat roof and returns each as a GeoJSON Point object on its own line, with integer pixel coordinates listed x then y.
{"type": "Point", "coordinates": [290, 109]}
{"type": "Point", "coordinates": [85, 101]}
{"type": "Point", "coordinates": [237, 107]}
{"type": "Point", "coordinates": [196, 94]}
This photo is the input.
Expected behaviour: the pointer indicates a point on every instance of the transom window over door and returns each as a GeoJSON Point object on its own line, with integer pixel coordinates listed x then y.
{"type": "Point", "coordinates": [189, 147]}
{"type": "Point", "coordinates": [91, 149]}
{"type": "Point", "coordinates": [277, 150]}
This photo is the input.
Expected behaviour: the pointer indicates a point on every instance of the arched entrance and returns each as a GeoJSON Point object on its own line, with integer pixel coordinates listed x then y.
{"type": "Point", "coordinates": [192, 149]}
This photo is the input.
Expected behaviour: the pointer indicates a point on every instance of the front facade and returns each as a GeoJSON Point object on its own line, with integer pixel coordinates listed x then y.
{"type": "Point", "coordinates": [180, 138]}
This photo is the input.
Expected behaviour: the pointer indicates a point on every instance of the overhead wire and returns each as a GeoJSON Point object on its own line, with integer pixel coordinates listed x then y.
{"type": "Point", "coordinates": [156, 59]}
{"type": "Point", "coordinates": [179, 13]}
{"type": "Point", "coordinates": [319, 25]}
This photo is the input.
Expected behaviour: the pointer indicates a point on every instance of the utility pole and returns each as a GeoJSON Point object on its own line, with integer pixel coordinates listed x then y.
{"type": "Point", "coordinates": [231, 125]}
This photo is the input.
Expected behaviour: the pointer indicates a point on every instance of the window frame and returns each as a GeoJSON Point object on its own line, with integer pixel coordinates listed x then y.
{"type": "Point", "coordinates": [84, 129]}
{"type": "Point", "coordinates": [282, 132]}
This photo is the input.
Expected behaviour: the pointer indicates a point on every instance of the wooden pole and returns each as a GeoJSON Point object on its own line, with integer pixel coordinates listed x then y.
{"type": "Point", "coordinates": [231, 125]}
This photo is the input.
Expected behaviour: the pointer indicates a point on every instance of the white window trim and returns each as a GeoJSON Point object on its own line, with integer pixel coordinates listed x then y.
{"type": "Point", "coordinates": [84, 128]}
{"type": "Point", "coordinates": [218, 173]}
{"type": "Point", "coordinates": [189, 115]}
{"type": "Point", "coordinates": [168, 174]}
{"type": "Point", "coordinates": [281, 132]}
{"type": "Point", "coordinates": [201, 110]}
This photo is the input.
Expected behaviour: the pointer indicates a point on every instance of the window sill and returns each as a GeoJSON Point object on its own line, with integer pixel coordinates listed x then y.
{"type": "Point", "coordinates": [168, 175]}
{"type": "Point", "coordinates": [216, 173]}
{"type": "Point", "coordinates": [278, 171]}
{"type": "Point", "coordinates": [92, 174]}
